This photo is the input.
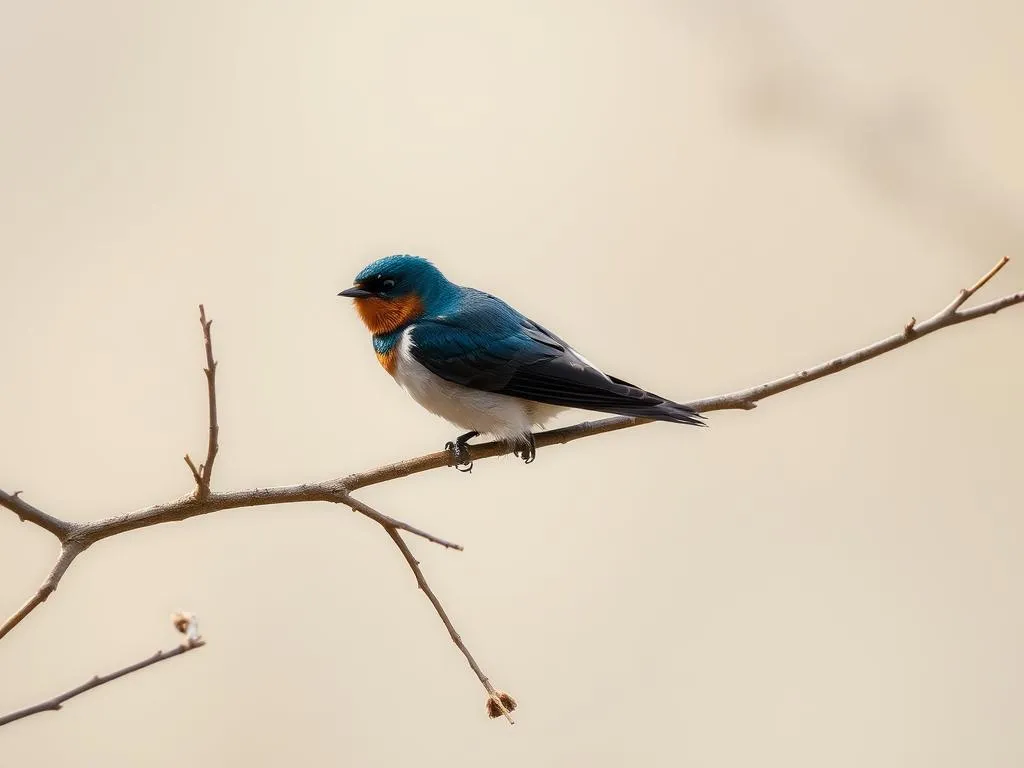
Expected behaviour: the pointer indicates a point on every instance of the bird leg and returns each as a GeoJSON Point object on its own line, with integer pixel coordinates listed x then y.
{"type": "Point", "coordinates": [527, 450]}
{"type": "Point", "coordinates": [460, 451]}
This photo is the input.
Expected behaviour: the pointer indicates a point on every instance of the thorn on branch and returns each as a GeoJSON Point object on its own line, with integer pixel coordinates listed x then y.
{"type": "Point", "coordinates": [908, 329]}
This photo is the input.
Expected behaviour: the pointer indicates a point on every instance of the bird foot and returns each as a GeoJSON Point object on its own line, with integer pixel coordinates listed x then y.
{"type": "Point", "coordinates": [527, 451]}
{"type": "Point", "coordinates": [460, 452]}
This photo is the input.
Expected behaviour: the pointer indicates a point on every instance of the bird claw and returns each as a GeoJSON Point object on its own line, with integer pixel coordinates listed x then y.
{"type": "Point", "coordinates": [527, 452]}
{"type": "Point", "coordinates": [460, 455]}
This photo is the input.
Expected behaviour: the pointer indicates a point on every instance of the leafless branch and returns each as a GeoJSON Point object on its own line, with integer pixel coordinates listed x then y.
{"type": "Point", "coordinates": [185, 623]}
{"type": "Point", "coordinates": [422, 582]}
{"type": "Point", "coordinates": [67, 554]}
{"type": "Point", "coordinates": [29, 514]}
{"type": "Point", "coordinates": [204, 471]}
{"type": "Point", "coordinates": [75, 538]}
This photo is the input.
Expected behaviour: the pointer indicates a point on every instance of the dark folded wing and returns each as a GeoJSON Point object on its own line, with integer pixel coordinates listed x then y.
{"type": "Point", "coordinates": [493, 348]}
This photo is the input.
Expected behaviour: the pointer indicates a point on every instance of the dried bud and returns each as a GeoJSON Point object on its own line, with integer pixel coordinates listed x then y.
{"type": "Point", "coordinates": [181, 620]}
{"type": "Point", "coordinates": [500, 703]}
{"type": "Point", "coordinates": [188, 625]}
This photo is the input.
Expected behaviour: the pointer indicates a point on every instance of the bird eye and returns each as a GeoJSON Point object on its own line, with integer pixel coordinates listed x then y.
{"type": "Point", "coordinates": [387, 285]}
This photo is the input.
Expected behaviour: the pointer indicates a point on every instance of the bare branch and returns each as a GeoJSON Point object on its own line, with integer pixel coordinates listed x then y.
{"type": "Point", "coordinates": [337, 490]}
{"type": "Point", "coordinates": [390, 522]}
{"type": "Point", "coordinates": [204, 471]}
{"type": "Point", "coordinates": [76, 537]}
{"type": "Point", "coordinates": [196, 475]}
{"type": "Point", "coordinates": [211, 387]}
{"type": "Point", "coordinates": [191, 642]}
{"type": "Point", "coordinates": [68, 553]}
{"type": "Point", "coordinates": [189, 506]}
{"type": "Point", "coordinates": [987, 276]}
{"type": "Point", "coordinates": [492, 694]}
{"type": "Point", "coordinates": [83, 535]}
{"type": "Point", "coordinates": [966, 293]}
{"type": "Point", "coordinates": [29, 514]}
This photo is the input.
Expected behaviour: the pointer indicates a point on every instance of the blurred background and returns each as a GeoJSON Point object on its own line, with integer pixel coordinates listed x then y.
{"type": "Point", "coordinates": [700, 196]}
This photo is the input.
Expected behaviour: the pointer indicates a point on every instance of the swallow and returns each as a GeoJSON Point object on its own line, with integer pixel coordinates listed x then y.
{"type": "Point", "coordinates": [472, 359]}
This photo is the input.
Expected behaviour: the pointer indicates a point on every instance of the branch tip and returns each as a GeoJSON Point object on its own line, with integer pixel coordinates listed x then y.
{"type": "Point", "coordinates": [188, 625]}
{"type": "Point", "coordinates": [500, 703]}
{"type": "Point", "coordinates": [195, 471]}
{"type": "Point", "coordinates": [56, 703]}
{"type": "Point", "coordinates": [988, 276]}
{"type": "Point", "coordinates": [421, 581]}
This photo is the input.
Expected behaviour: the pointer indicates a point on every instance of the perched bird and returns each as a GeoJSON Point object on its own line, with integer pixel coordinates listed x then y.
{"type": "Point", "coordinates": [472, 359]}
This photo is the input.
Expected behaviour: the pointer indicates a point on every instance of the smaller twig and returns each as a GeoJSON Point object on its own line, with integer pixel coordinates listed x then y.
{"type": "Point", "coordinates": [211, 387]}
{"type": "Point", "coordinates": [495, 698]}
{"type": "Point", "coordinates": [390, 522]}
{"type": "Point", "coordinates": [184, 622]}
{"type": "Point", "coordinates": [68, 553]}
{"type": "Point", "coordinates": [988, 276]}
{"type": "Point", "coordinates": [966, 293]}
{"type": "Point", "coordinates": [195, 472]}
{"type": "Point", "coordinates": [30, 514]}
{"type": "Point", "coordinates": [204, 471]}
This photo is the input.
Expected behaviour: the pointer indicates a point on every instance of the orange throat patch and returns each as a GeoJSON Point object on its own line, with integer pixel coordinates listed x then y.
{"type": "Point", "coordinates": [386, 315]}
{"type": "Point", "coordinates": [389, 360]}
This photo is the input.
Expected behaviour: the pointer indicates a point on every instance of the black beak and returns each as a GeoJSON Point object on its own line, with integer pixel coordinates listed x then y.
{"type": "Point", "coordinates": [356, 293]}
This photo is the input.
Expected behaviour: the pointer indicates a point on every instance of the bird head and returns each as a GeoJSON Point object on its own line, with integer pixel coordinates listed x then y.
{"type": "Point", "coordinates": [397, 290]}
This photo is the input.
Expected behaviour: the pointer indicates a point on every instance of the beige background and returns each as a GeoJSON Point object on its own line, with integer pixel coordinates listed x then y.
{"type": "Point", "coordinates": [698, 199]}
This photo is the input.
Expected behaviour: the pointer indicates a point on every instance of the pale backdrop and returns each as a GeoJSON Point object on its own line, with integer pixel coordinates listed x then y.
{"type": "Point", "coordinates": [698, 200]}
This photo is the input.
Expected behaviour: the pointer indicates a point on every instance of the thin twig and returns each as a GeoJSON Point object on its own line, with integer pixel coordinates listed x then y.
{"type": "Point", "coordinates": [196, 475]}
{"type": "Point", "coordinates": [54, 704]}
{"type": "Point", "coordinates": [204, 471]}
{"type": "Point", "coordinates": [30, 514]}
{"type": "Point", "coordinates": [68, 553]}
{"type": "Point", "coordinates": [422, 582]}
{"type": "Point", "coordinates": [390, 522]}
{"type": "Point", "coordinates": [966, 293]}
{"type": "Point", "coordinates": [211, 390]}
{"type": "Point", "coordinates": [987, 276]}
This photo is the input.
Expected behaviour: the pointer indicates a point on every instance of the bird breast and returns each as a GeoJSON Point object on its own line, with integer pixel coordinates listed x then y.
{"type": "Point", "coordinates": [491, 413]}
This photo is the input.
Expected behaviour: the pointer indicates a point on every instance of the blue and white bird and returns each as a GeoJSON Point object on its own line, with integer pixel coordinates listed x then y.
{"type": "Point", "coordinates": [472, 359]}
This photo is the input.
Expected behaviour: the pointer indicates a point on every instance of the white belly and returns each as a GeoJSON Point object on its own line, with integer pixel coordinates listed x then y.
{"type": "Point", "coordinates": [471, 409]}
